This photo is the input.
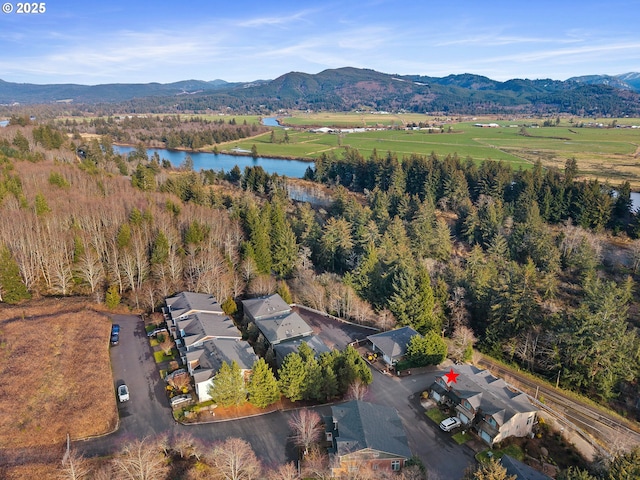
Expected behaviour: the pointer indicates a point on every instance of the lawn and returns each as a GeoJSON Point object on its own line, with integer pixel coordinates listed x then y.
{"type": "Point", "coordinates": [160, 357]}
{"type": "Point", "coordinates": [606, 153]}
{"type": "Point", "coordinates": [55, 373]}
{"type": "Point", "coordinates": [512, 450]}
{"type": "Point", "coordinates": [436, 415]}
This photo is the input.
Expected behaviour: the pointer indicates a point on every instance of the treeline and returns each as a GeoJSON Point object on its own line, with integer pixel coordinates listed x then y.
{"type": "Point", "coordinates": [302, 376]}
{"type": "Point", "coordinates": [171, 131]}
{"type": "Point", "coordinates": [507, 260]}
{"type": "Point", "coordinates": [184, 456]}
{"type": "Point", "coordinates": [531, 292]}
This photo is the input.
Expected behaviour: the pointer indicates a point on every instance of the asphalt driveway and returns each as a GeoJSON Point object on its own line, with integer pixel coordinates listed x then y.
{"type": "Point", "coordinates": [441, 455]}
{"type": "Point", "coordinates": [148, 414]}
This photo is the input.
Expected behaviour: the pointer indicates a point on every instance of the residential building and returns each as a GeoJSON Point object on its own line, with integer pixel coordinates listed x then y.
{"type": "Point", "coordinates": [275, 319]}
{"type": "Point", "coordinates": [392, 344]}
{"type": "Point", "coordinates": [204, 362]}
{"type": "Point", "coordinates": [366, 434]}
{"type": "Point", "coordinates": [205, 337]}
{"type": "Point", "coordinates": [485, 404]}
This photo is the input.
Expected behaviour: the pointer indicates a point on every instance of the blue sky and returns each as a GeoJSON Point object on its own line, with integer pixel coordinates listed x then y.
{"type": "Point", "coordinates": [92, 42]}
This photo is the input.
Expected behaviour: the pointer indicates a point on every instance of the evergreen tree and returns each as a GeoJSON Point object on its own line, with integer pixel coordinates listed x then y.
{"type": "Point", "coordinates": [112, 297]}
{"type": "Point", "coordinates": [412, 301]}
{"type": "Point", "coordinates": [430, 349]}
{"type": "Point", "coordinates": [228, 386]}
{"type": "Point", "coordinates": [41, 205]}
{"type": "Point", "coordinates": [598, 348]}
{"type": "Point", "coordinates": [263, 386]}
{"type": "Point", "coordinates": [292, 376]}
{"type": "Point", "coordinates": [12, 288]}
{"type": "Point", "coordinates": [625, 466]}
{"type": "Point", "coordinates": [284, 249]}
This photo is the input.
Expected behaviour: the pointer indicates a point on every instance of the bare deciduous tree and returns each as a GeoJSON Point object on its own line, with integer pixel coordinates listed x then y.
{"type": "Point", "coordinates": [74, 467]}
{"type": "Point", "coordinates": [462, 338]}
{"type": "Point", "coordinates": [141, 460]}
{"type": "Point", "coordinates": [306, 426]}
{"type": "Point", "coordinates": [288, 471]}
{"type": "Point", "coordinates": [234, 459]}
{"type": "Point", "coordinates": [357, 390]}
{"type": "Point", "coordinates": [316, 465]}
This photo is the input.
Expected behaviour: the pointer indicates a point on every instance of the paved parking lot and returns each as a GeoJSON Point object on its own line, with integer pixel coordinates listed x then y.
{"type": "Point", "coordinates": [148, 412]}
{"type": "Point", "coordinates": [334, 333]}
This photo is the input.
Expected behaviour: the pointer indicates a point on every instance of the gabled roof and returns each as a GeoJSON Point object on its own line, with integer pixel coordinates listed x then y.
{"type": "Point", "coordinates": [188, 302]}
{"type": "Point", "coordinates": [285, 348]}
{"type": "Point", "coordinates": [202, 326]}
{"type": "Point", "coordinates": [520, 470]}
{"type": "Point", "coordinates": [286, 326]}
{"type": "Point", "coordinates": [491, 394]}
{"type": "Point", "coordinates": [363, 425]}
{"type": "Point", "coordinates": [267, 306]}
{"type": "Point", "coordinates": [394, 342]}
{"type": "Point", "coordinates": [214, 352]}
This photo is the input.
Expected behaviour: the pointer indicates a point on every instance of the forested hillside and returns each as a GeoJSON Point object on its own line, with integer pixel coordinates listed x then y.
{"type": "Point", "coordinates": [511, 261]}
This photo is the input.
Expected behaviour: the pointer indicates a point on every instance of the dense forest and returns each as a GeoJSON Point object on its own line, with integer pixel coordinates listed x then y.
{"type": "Point", "coordinates": [517, 263]}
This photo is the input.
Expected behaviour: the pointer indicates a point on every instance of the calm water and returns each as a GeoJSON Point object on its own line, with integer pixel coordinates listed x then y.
{"type": "Point", "coordinates": [4, 123]}
{"type": "Point", "coordinates": [221, 161]}
{"type": "Point", "coordinates": [270, 122]}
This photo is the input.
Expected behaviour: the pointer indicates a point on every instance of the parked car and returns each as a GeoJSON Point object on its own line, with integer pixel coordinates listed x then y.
{"type": "Point", "coordinates": [175, 373]}
{"type": "Point", "coordinates": [115, 328]}
{"type": "Point", "coordinates": [157, 331]}
{"type": "Point", "coordinates": [450, 423]}
{"type": "Point", "coordinates": [179, 399]}
{"type": "Point", "coordinates": [123, 393]}
{"type": "Point", "coordinates": [115, 338]}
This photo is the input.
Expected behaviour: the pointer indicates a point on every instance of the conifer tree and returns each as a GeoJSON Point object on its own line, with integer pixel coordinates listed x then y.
{"type": "Point", "coordinates": [292, 375]}
{"type": "Point", "coordinates": [263, 387]}
{"type": "Point", "coordinates": [228, 386]}
{"type": "Point", "coordinates": [12, 288]}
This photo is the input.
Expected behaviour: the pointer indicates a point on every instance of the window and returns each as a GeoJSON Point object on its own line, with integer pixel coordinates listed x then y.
{"type": "Point", "coordinates": [395, 465]}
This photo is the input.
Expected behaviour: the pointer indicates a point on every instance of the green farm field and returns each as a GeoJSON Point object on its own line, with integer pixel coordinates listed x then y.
{"type": "Point", "coordinates": [611, 154]}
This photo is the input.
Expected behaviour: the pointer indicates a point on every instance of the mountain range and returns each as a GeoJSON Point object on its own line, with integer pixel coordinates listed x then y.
{"type": "Point", "coordinates": [352, 88]}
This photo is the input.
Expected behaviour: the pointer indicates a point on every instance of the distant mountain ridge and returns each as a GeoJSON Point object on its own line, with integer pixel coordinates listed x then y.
{"type": "Point", "coordinates": [626, 81]}
{"type": "Point", "coordinates": [351, 88]}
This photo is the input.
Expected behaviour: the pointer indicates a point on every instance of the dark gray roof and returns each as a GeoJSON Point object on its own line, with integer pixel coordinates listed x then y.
{"type": "Point", "coordinates": [394, 342]}
{"type": "Point", "coordinates": [213, 352]}
{"type": "Point", "coordinates": [285, 348]}
{"type": "Point", "coordinates": [366, 425]}
{"type": "Point", "coordinates": [271, 305]}
{"type": "Point", "coordinates": [491, 394]}
{"type": "Point", "coordinates": [202, 326]}
{"type": "Point", "coordinates": [189, 302]}
{"type": "Point", "coordinates": [284, 327]}
{"type": "Point", "coordinates": [521, 470]}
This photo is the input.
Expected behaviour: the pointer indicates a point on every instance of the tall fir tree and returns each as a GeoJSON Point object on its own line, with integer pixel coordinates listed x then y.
{"type": "Point", "coordinates": [262, 387]}
{"type": "Point", "coordinates": [12, 288]}
{"type": "Point", "coordinates": [228, 387]}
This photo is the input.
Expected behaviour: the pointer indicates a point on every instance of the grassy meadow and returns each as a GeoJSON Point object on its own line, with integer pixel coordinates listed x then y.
{"type": "Point", "coordinates": [611, 154]}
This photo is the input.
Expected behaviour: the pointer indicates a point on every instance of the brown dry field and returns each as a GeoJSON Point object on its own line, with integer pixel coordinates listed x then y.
{"type": "Point", "coordinates": [29, 472]}
{"type": "Point", "coordinates": [55, 373]}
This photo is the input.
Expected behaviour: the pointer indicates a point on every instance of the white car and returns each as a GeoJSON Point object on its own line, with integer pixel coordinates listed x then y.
{"type": "Point", "coordinates": [450, 423]}
{"type": "Point", "coordinates": [179, 399]}
{"type": "Point", "coordinates": [123, 393]}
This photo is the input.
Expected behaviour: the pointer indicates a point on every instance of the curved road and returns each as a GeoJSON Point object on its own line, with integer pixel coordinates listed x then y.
{"type": "Point", "coordinates": [147, 413]}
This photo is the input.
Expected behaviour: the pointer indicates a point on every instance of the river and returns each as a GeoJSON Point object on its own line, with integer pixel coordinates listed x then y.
{"type": "Point", "coordinates": [222, 161]}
